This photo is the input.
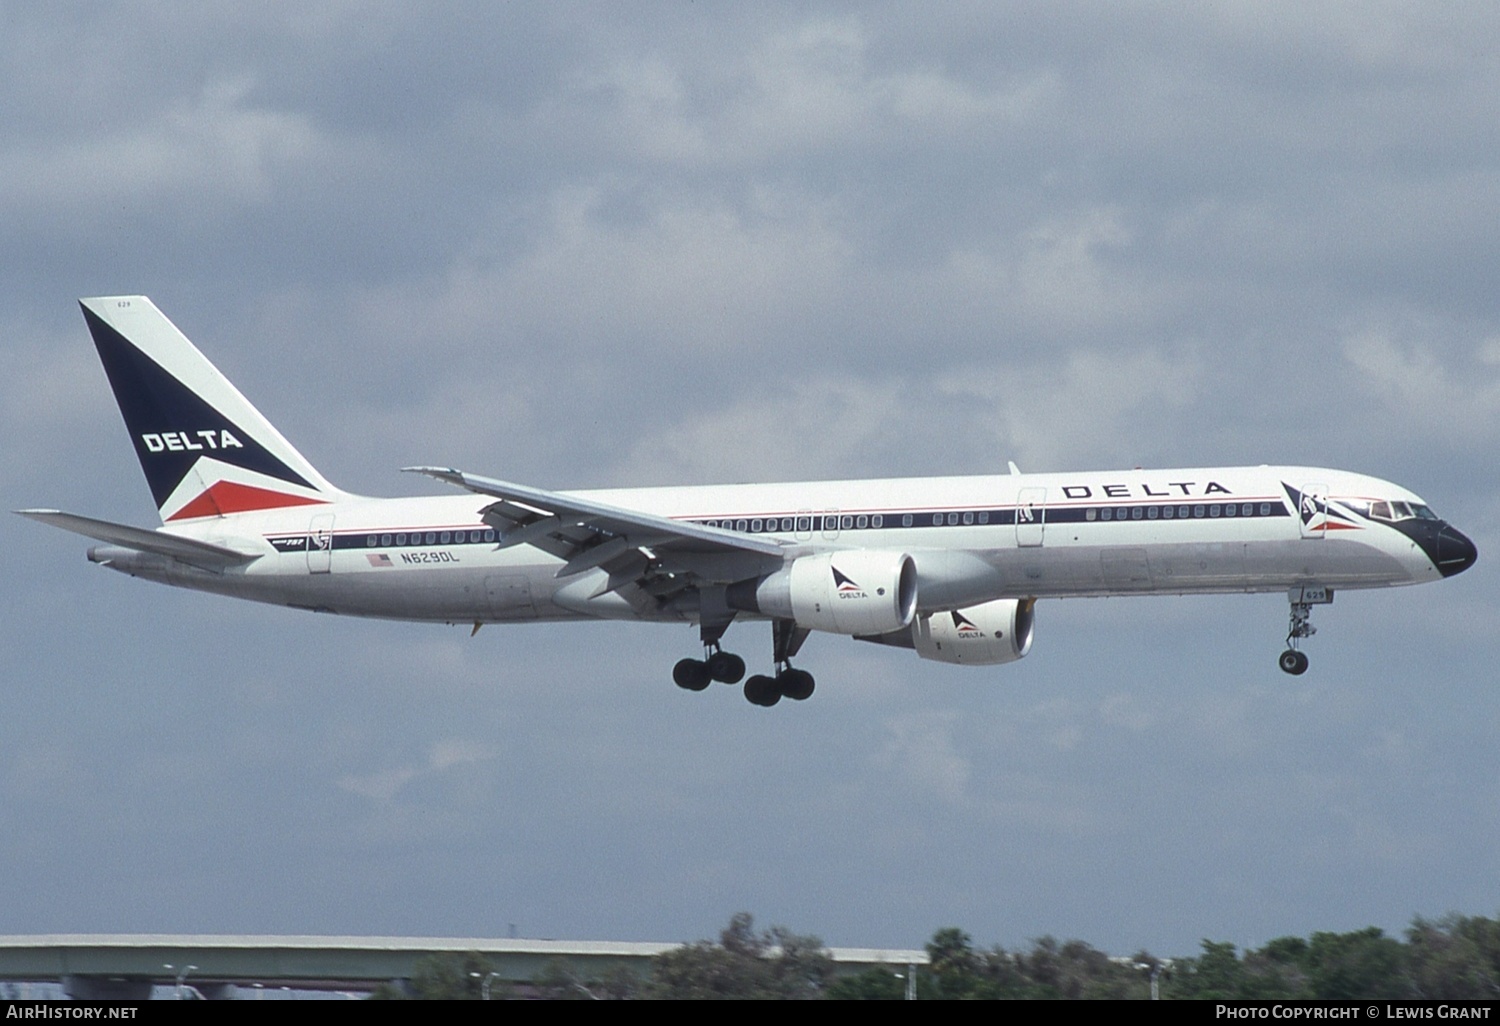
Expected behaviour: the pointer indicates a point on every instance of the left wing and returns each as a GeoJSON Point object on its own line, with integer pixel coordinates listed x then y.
{"type": "Point", "coordinates": [659, 554]}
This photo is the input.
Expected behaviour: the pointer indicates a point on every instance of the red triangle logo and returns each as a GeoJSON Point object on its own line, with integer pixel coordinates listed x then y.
{"type": "Point", "coordinates": [223, 497]}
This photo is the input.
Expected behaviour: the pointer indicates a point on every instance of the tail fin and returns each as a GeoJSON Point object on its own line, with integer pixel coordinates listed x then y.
{"type": "Point", "coordinates": [205, 450]}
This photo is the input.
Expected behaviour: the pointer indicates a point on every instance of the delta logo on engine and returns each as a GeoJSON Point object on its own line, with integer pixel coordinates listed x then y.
{"type": "Point", "coordinates": [844, 587]}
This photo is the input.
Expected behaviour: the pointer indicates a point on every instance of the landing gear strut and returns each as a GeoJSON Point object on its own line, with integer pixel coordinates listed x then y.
{"type": "Point", "coordinates": [716, 664]}
{"type": "Point", "coordinates": [1302, 599]}
{"type": "Point", "coordinates": [786, 638]}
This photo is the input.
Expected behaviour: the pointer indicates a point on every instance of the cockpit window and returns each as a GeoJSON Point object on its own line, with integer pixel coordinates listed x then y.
{"type": "Point", "coordinates": [1394, 512]}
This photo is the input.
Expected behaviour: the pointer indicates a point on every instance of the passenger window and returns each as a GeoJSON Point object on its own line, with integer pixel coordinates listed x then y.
{"type": "Point", "coordinates": [845, 523]}
{"type": "Point", "coordinates": [489, 535]}
{"type": "Point", "coordinates": [1106, 513]}
{"type": "Point", "coordinates": [1091, 514]}
{"type": "Point", "coordinates": [906, 520]}
{"type": "Point", "coordinates": [968, 519]}
{"type": "Point", "coordinates": [400, 539]}
{"type": "Point", "coordinates": [804, 523]}
{"type": "Point", "coordinates": [1152, 512]}
{"type": "Point", "coordinates": [984, 516]}
{"type": "Point", "coordinates": [741, 525]}
{"type": "Point", "coordinates": [937, 520]}
{"type": "Point", "coordinates": [431, 537]}
{"type": "Point", "coordinates": [877, 520]}
{"type": "Point", "coordinates": [862, 521]}
{"type": "Point", "coordinates": [1231, 510]}
{"type": "Point", "coordinates": [1136, 513]}
{"type": "Point", "coordinates": [1167, 511]}
{"type": "Point", "coordinates": [370, 542]}
{"type": "Point", "coordinates": [446, 538]}
{"type": "Point", "coordinates": [1265, 509]}
{"type": "Point", "coordinates": [1197, 512]}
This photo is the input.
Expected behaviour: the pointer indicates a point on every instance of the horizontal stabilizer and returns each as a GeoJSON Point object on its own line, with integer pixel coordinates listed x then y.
{"type": "Point", "coordinates": [189, 550]}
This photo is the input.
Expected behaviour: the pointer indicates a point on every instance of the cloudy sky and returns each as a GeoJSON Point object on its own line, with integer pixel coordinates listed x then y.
{"type": "Point", "coordinates": [592, 244]}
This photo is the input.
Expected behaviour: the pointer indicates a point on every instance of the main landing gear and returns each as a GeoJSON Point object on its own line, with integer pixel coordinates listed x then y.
{"type": "Point", "coordinates": [1302, 599]}
{"type": "Point", "coordinates": [798, 685]}
{"type": "Point", "coordinates": [788, 683]}
{"type": "Point", "coordinates": [718, 665]}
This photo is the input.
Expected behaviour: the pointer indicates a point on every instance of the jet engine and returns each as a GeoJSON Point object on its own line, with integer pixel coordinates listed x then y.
{"type": "Point", "coordinates": [983, 635]}
{"type": "Point", "coordinates": [858, 591]}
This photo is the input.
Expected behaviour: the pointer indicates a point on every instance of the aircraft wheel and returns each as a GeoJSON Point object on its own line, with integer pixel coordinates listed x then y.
{"type": "Point", "coordinates": [762, 690]}
{"type": "Point", "coordinates": [796, 684]}
{"type": "Point", "coordinates": [726, 667]}
{"type": "Point", "coordinates": [1293, 662]}
{"type": "Point", "coordinates": [691, 674]}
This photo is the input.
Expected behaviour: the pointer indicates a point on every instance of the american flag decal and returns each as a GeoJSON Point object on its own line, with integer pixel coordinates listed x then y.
{"type": "Point", "coordinates": [380, 559]}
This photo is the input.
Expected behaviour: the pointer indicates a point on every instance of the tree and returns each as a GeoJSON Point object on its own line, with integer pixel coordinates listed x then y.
{"type": "Point", "coordinates": [1455, 957]}
{"type": "Point", "coordinates": [1362, 964]}
{"type": "Point", "coordinates": [744, 964]}
{"type": "Point", "coordinates": [444, 977]}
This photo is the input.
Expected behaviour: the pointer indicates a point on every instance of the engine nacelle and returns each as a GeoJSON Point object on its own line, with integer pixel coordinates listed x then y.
{"type": "Point", "coordinates": [858, 591]}
{"type": "Point", "coordinates": [983, 635]}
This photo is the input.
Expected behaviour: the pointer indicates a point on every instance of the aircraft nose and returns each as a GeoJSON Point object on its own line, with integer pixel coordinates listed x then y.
{"type": "Point", "coordinates": [1455, 552]}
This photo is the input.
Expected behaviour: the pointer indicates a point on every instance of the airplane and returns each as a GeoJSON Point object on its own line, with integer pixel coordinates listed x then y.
{"type": "Point", "coordinates": [949, 567]}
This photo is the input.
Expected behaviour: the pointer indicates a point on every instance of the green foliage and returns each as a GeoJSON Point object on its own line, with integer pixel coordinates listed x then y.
{"type": "Point", "coordinates": [1362, 964]}
{"type": "Point", "coordinates": [1456, 957]}
{"type": "Point", "coordinates": [1453, 958]}
{"type": "Point", "coordinates": [874, 984]}
{"type": "Point", "coordinates": [744, 964]}
{"type": "Point", "coordinates": [446, 977]}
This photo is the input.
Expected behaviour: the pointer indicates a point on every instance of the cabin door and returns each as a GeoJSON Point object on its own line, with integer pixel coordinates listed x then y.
{"type": "Point", "coordinates": [1031, 517]}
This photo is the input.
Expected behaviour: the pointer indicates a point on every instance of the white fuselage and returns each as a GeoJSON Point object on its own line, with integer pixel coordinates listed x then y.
{"type": "Point", "coordinates": [972, 539]}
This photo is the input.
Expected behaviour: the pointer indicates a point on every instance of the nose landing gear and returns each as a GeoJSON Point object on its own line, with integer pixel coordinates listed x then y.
{"type": "Point", "coordinates": [1302, 599]}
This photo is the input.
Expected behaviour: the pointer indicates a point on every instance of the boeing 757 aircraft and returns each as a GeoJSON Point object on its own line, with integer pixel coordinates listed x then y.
{"type": "Point", "coordinates": [949, 567]}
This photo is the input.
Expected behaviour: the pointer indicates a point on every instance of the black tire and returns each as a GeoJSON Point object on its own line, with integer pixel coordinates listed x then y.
{"type": "Point", "coordinates": [726, 667]}
{"type": "Point", "coordinates": [796, 685]}
{"type": "Point", "coordinates": [1293, 662]}
{"type": "Point", "coordinates": [691, 674]}
{"type": "Point", "coordinates": [762, 690]}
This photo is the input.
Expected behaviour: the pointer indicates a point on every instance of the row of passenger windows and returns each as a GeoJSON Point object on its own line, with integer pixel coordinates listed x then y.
{"type": "Point", "coordinates": [848, 522]}
{"type": "Point", "coordinates": [1230, 509]}
{"type": "Point", "coordinates": [430, 538]}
